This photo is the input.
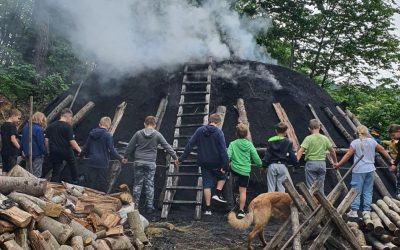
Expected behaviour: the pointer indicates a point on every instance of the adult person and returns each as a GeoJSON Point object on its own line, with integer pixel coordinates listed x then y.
{"type": "Point", "coordinates": [212, 157]}
{"type": "Point", "coordinates": [61, 146]}
{"type": "Point", "coordinates": [142, 148]}
{"type": "Point", "coordinates": [98, 148]}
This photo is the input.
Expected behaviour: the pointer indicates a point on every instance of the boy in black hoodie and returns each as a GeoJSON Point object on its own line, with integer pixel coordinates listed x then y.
{"type": "Point", "coordinates": [212, 157]}
{"type": "Point", "coordinates": [98, 148]}
{"type": "Point", "coordinates": [279, 153]}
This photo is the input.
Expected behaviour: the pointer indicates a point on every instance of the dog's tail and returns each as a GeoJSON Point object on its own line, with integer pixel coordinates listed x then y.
{"type": "Point", "coordinates": [240, 223]}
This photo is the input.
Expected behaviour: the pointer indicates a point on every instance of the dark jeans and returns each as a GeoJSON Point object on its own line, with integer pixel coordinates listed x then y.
{"type": "Point", "coordinates": [57, 159]}
{"type": "Point", "coordinates": [9, 161]}
{"type": "Point", "coordinates": [97, 178]}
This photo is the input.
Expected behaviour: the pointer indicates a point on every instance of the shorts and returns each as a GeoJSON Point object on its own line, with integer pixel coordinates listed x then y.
{"type": "Point", "coordinates": [241, 180]}
{"type": "Point", "coordinates": [209, 176]}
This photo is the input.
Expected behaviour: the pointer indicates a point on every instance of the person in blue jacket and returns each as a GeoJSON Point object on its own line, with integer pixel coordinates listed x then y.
{"type": "Point", "coordinates": [39, 124]}
{"type": "Point", "coordinates": [212, 157]}
{"type": "Point", "coordinates": [98, 148]}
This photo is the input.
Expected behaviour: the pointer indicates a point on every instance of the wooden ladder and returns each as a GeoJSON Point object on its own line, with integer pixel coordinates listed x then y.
{"type": "Point", "coordinates": [193, 112]}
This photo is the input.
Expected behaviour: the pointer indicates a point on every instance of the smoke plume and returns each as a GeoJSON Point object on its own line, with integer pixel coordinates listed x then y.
{"type": "Point", "coordinates": [130, 36]}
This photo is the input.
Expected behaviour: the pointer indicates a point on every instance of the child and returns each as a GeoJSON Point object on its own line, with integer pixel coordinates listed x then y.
{"type": "Point", "coordinates": [394, 133]}
{"type": "Point", "coordinates": [10, 146]}
{"type": "Point", "coordinates": [279, 153]}
{"type": "Point", "coordinates": [39, 124]}
{"type": "Point", "coordinates": [241, 152]}
{"type": "Point", "coordinates": [391, 146]}
{"type": "Point", "coordinates": [315, 146]}
{"type": "Point", "coordinates": [363, 173]}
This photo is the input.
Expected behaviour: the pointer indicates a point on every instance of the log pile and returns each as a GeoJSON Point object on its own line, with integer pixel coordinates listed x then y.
{"type": "Point", "coordinates": [35, 214]}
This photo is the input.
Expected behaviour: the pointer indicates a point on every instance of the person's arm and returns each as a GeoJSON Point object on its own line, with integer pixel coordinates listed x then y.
{"type": "Point", "coordinates": [13, 138]}
{"type": "Point", "coordinates": [345, 158]}
{"type": "Point", "coordinates": [165, 145]}
{"type": "Point", "coordinates": [75, 146]}
{"type": "Point", "coordinates": [255, 157]}
{"type": "Point", "coordinates": [300, 153]}
{"type": "Point", "coordinates": [71, 140]}
{"type": "Point", "coordinates": [221, 146]}
{"type": "Point", "coordinates": [381, 150]}
{"type": "Point", "coordinates": [230, 151]}
{"type": "Point", "coordinates": [397, 160]}
{"type": "Point", "coordinates": [292, 155]}
{"type": "Point", "coordinates": [131, 147]}
{"type": "Point", "coordinates": [111, 148]}
{"type": "Point", "coordinates": [85, 148]}
{"type": "Point", "coordinates": [189, 146]}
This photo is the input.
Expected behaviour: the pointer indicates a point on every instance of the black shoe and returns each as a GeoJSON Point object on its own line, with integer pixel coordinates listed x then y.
{"type": "Point", "coordinates": [207, 212]}
{"type": "Point", "coordinates": [219, 198]}
{"type": "Point", "coordinates": [240, 214]}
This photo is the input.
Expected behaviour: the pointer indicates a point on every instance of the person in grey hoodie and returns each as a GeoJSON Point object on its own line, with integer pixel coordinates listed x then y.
{"type": "Point", "coordinates": [142, 148]}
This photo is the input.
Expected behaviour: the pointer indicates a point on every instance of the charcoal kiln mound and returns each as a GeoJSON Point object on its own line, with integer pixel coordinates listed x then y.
{"type": "Point", "coordinates": [258, 84]}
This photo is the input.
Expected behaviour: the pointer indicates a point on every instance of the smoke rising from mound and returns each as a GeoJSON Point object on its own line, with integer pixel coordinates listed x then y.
{"type": "Point", "coordinates": [130, 36]}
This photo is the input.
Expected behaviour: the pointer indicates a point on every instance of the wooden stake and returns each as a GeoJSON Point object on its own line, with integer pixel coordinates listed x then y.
{"type": "Point", "coordinates": [295, 224]}
{"type": "Point", "coordinates": [30, 164]}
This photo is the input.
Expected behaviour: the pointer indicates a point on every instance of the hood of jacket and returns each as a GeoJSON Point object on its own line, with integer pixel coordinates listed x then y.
{"type": "Point", "coordinates": [97, 133]}
{"type": "Point", "coordinates": [277, 142]}
{"type": "Point", "coordinates": [208, 130]}
{"type": "Point", "coordinates": [148, 132]}
{"type": "Point", "coordinates": [244, 144]}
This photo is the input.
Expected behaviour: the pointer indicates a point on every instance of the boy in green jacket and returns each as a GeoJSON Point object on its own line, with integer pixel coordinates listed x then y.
{"type": "Point", "coordinates": [241, 152]}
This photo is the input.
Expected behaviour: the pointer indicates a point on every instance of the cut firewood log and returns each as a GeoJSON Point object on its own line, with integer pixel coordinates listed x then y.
{"type": "Point", "coordinates": [49, 238]}
{"type": "Point", "coordinates": [397, 202]}
{"type": "Point", "coordinates": [80, 115]}
{"type": "Point", "coordinates": [79, 230]}
{"type": "Point", "coordinates": [60, 231]}
{"type": "Point", "coordinates": [110, 220]}
{"type": "Point", "coordinates": [391, 204]}
{"type": "Point", "coordinates": [38, 242]}
{"type": "Point", "coordinates": [119, 243]}
{"type": "Point", "coordinates": [136, 227]}
{"type": "Point", "coordinates": [101, 234]}
{"type": "Point", "coordinates": [65, 247]}
{"type": "Point", "coordinates": [376, 243]}
{"type": "Point", "coordinates": [104, 203]}
{"type": "Point", "coordinates": [367, 220]}
{"type": "Point", "coordinates": [102, 245]}
{"type": "Point", "coordinates": [115, 231]}
{"type": "Point", "coordinates": [12, 245]}
{"type": "Point", "coordinates": [31, 186]}
{"type": "Point", "coordinates": [21, 237]}
{"type": "Point", "coordinates": [89, 247]}
{"type": "Point", "coordinates": [385, 238]}
{"type": "Point", "coordinates": [377, 226]}
{"type": "Point", "coordinates": [391, 246]}
{"type": "Point", "coordinates": [390, 225]}
{"type": "Point", "coordinates": [77, 243]}
{"type": "Point", "coordinates": [7, 236]}
{"type": "Point", "coordinates": [28, 205]}
{"type": "Point", "coordinates": [73, 190]}
{"type": "Point", "coordinates": [18, 217]}
{"type": "Point", "coordinates": [358, 233]}
{"type": "Point", "coordinates": [396, 240]}
{"type": "Point", "coordinates": [6, 227]}
{"type": "Point", "coordinates": [18, 171]}
{"type": "Point", "coordinates": [393, 216]}
{"type": "Point", "coordinates": [63, 104]}
{"type": "Point", "coordinates": [295, 224]}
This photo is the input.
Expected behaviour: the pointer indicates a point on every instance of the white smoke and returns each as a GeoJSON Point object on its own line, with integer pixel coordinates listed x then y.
{"type": "Point", "coordinates": [130, 36]}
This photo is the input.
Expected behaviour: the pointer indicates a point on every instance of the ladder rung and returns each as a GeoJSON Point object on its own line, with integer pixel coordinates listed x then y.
{"type": "Point", "coordinates": [194, 92]}
{"type": "Point", "coordinates": [193, 114]}
{"type": "Point", "coordinates": [182, 136]}
{"type": "Point", "coordinates": [182, 202]}
{"type": "Point", "coordinates": [184, 174]}
{"type": "Point", "coordinates": [184, 187]}
{"type": "Point", "coordinates": [205, 72]}
{"type": "Point", "coordinates": [188, 125]}
{"type": "Point", "coordinates": [193, 103]}
{"type": "Point", "coordinates": [196, 82]}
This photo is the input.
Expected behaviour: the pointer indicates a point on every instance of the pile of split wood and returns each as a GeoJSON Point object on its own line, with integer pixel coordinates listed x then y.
{"type": "Point", "coordinates": [383, 224]}
{"type": "Point", "coordinates": [36, 214]}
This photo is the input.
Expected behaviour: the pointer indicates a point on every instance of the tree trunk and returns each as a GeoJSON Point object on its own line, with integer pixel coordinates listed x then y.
{"type": "Point", "coordinates": [18, 171]}
{"type": "Point", "coordinates": [41, 21]}
{"type": "Point", "coordinates": [161, 112]}
{"type": "Point", "coordinates": [119, 113]}
{"type": "Point", "coordinates": [63, 104]}
{"type": "Point", "coordinates": [393, 216]}
{"type": "Point", "coordinates": [376, 243]}
{"type": "Point", "coordinates": [284, 118]}
{"type": "Point", "coordinates": [347, 118]}
{"type": "Point", "coordinates": [60, 231]}
{"type": "Point", "coordinates": [78, 117]}
{"type": "Point", "coordinates": [391, 204]}
{"type": "Point", "coordinates": [31, 186]}
{"type": "Point", "coordinates": [377, 224]}
{"type": "Point", "coordinates": [18, 217]}
{"type": "Point", "coordinates": [380, 186]}
{"type": "Point", "coordinates": [295, 224]}
{"type": "Point", "coordinates": [323, 128]}
{"type": "Point", "coordinates": [135, 225]}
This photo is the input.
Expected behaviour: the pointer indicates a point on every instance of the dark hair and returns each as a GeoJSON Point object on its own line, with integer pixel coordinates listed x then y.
{"type": "Point", "coordinates": [242, 130]}
{"type": "Point", "coordinates": [13, 112]}
{"type": "Point", "coordinates": [314, 124]}
{"type": "Point", "coordinates": [150, 120]}
{"type": "Point", "coordinates": [66, 111]}
{"type": "Point", "coordinates": [215, 118]}
{"type": "Point", "coordinates": [281, 127]}
{"type": "Point", "coordinates": [393, 128]}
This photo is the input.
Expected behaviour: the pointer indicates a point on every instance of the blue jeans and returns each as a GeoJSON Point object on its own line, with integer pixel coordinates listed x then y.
{"type": "Point", "coordinates": [364, 184]}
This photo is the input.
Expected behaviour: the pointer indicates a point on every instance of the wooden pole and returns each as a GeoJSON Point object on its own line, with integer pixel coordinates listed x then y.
{"type": "Point", "coordinates": [294, 215]}
{"type": "Point", "coordinates": [63, 104]}
{"type": "Point", "coordinates": [76, 95]}
{"type": "Point", "coordinates": [119, 113]}
{"type": "Point", "coordinates": [161, 112]}
{"type": "Point", "coordinates": [281, 113]}
{"type": "Point", "coordinates": [78, 117]}
{"type": "Point", "coordinates": [30, 164]}
{"type": "Point", "coordinates": [353, 118]}
{"type": "Point", "coordinates": [338, 125]}
{"type": "Point", "coordinates": [243, 116]}
{"type": "Point", "coordinates": [323, 128]}
{"type": "Point", "coordinates": [347, 118]}
{"type": "Point", "coordinates": [390, 225]}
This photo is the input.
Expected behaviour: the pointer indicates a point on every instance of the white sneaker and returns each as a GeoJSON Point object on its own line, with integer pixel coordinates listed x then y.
{"type": "Point", "coordinates": [219, 198]}
{"type": "Point", "coordinates": [352, 214]}
{"type": "Point", "coordinates": [207, 212]}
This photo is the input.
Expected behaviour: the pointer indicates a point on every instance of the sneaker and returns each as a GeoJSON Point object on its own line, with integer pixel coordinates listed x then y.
{"type": "Point", "coordinates": [207, 212]}
{"type": "Point", "coordinates": [240, 214]}
{"type": "Point", "coordinates": [219, 198]}
{"type": "Point", "coordinates": [352, 214]}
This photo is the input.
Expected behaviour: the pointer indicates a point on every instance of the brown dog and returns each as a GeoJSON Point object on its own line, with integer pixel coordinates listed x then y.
{"type": "Point", "coordinates": [261, 209]}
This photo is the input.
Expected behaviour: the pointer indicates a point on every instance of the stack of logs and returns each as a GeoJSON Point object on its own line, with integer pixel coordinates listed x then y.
{"type": "Point", "coordinates": [38, 215]}
{"type": "Point", "coordinates": [383, 224]}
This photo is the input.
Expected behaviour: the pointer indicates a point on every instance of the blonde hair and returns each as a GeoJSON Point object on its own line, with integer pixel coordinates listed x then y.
{"type": "Point", "coordinates": [105, 122]}
{"type": "Point", "coordinates": [242, 130]}
{"type": "Point", "coordinates": [40, 118]}
{"type": "Point", "coordinates": [363, 132]}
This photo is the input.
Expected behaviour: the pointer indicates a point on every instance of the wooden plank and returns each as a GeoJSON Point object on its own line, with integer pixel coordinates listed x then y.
{"type": "Point", "coordinates": [161, 112]}
{"type": "Point", "coordinates": [284, 118]}
{"type": "Point", "coordinates": [346, 232]}
{"type": "Point", "coordinates": [199, 197]}
{"type": "Point", "coordinates": [119, 113]}
{"type": "Point", "coordinates": [323, 128]}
